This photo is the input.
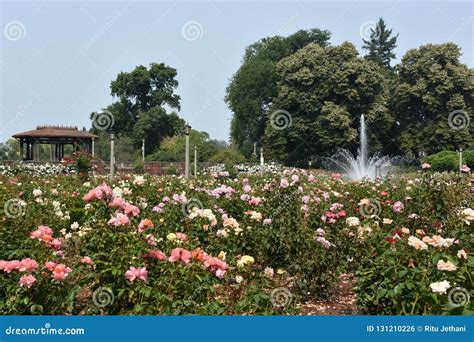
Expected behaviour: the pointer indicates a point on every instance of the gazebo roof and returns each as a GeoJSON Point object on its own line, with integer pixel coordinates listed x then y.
{"type": "Point", "coordinates": [55, 132]}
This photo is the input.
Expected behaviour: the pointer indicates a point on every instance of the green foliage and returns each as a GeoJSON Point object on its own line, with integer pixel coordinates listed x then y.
{"type": "Point", "coordinates": [325, 91]}
{"type": "Point", "coordinates": [444, 161]}
{"type": "Point", "coordinates": [81, 163]}
{"type": "Point", "coordinates": [229, 156]}
{"type": "Point", "coordinates": [172, 148]}
{"type": "Point", "coordinates": [380, 46]}
{"type": "Point", "coordinates": [431, 84]}
{"type": "Point", "coordinates": [140, 111]}
{"type": "Point", "coordinates": [449, 160]}
{"type": "Point", "coordinates": [254, 85]}
{"type": "Point", "coordinates": [10, 150]}
{"type": "Point", "coordinates": [468, 157]}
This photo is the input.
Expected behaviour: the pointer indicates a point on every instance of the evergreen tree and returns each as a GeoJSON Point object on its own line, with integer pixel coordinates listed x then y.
{"type": "Point", "coordinates": [381, 44]}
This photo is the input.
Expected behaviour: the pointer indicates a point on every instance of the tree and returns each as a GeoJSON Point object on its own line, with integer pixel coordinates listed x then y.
{"type": "Point", "coordinates": [172, 148]}
{"type": "Point", "coordinates": [10, 150]}
{"type": "Point", "coordinates": [154, 125]}
{"type": "Point", "coordinates": [323, 92]}
{"type": "Point", "coordinates": [381, 44]}
{"type": "Point", "coordinates": [139, 113]}
{"type": "Point", "coordinates": [434, 100]}
{"type": "Point", "coordinates": [252, 88]}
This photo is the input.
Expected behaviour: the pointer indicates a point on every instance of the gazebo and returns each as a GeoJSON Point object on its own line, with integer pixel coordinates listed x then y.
{"type": "Point", "coordinates": [57, 137]}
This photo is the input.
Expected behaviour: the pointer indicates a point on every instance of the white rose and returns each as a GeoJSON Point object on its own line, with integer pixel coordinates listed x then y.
{"type": "Point", "coordinates": [440, 287]}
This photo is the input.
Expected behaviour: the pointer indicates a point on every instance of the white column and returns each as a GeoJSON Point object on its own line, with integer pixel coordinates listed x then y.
{"type": "Point", "coordinates": [112, 155]}
{"type": "Point", "coordinates": [186, 158]}
{"type": "Point", "coordinates": [195, 160]}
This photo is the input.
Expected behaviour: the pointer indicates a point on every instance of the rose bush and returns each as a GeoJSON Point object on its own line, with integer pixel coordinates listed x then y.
{"type": "Point", "coordinates": [222, 245]}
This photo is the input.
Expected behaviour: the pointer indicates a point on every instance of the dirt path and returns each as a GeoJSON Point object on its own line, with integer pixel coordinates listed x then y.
{"type": "Point", "coordinates": [343, 303]}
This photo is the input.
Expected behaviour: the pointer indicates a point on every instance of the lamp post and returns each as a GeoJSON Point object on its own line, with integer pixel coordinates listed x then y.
{"type": "Point", "coordinates": [112, 155]}
{"type": "Point", "coordinates": [187, 132]}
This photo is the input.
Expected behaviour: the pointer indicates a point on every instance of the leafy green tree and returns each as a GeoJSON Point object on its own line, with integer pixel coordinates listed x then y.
{"type": "Point", "coordinates": [154, 125]}
{"type": "Point", "coordinates": [142, 98]}
{"type": "Point", "coordinates": [172, 148]}
{"type": "Point", "coordinates": [10, 150]}
{"type": "Point", "coordinates": [251, 90]}
{"type": "Point", "coordinates": [324, 92]}
{"type": "Point", "coordinates": [229, 155]}
{"type": "Point", "coordinates": [434, 100]}
{"type": "Point", "coordinates": [381, 44]}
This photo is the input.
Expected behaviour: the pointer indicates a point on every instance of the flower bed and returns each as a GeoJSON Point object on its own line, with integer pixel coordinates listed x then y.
{"type": "Point", "coordinates": [218, 245]}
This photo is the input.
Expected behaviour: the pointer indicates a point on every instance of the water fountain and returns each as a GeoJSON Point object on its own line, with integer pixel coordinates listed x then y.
{"type": "Point", "coordinates": [361, 166]}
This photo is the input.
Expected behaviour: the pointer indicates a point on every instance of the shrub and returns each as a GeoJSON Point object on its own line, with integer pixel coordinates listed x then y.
{"type": "Point", "coordinates": [444, 161]}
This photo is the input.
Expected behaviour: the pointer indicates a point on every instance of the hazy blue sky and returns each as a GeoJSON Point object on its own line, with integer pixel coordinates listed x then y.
{"type": "Point", "coordinates": [58, 58]}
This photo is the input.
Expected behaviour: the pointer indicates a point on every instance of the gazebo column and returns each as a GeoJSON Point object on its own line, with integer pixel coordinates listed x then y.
{"type": "Point", "coordinates": [93, 147]}
{"type": "Point", "coordinates": [21, 149]}
{"type": "Point", "coordinates": [28, 151]}
{"type": "Point", "coordinates": [36, 156]}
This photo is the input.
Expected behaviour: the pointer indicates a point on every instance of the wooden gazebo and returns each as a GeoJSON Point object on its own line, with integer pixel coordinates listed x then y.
{"type": "Point", "coordinates": [57, 137]}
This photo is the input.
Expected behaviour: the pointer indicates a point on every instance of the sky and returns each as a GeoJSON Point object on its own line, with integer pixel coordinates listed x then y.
{"type": "Point", "coordinates": [57, 58]}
